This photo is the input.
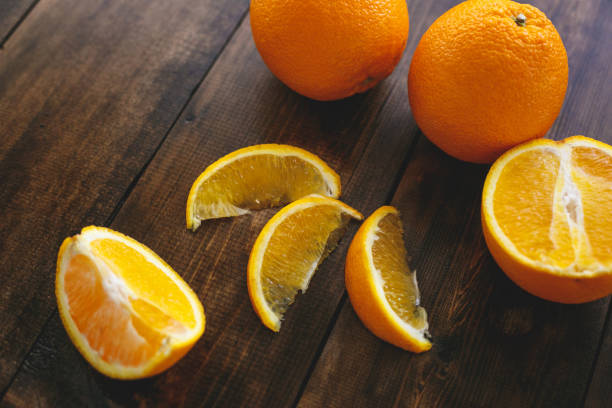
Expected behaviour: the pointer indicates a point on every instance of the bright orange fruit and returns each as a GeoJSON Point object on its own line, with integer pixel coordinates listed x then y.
{"type": "Point", "coordinates": [328, 50]}
{"type": "Point", "coordinates": [546, 210]}
{"type": "Point", "coordinates": [127, 312]}
{"type": "Point", "coordinates": [256, 177]}
{"type": "Point", "coordinates": [382, 288]}
{"type": "Point", "coordinates": [288, 251]}
{"type": "Point", "coordinates": [486, 76]}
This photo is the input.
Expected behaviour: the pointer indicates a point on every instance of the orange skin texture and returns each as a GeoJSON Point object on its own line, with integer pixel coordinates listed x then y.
{"type": "Point", "coordinates": [479, 83]}
{"type": "Point", "coordinates": [328, 50]}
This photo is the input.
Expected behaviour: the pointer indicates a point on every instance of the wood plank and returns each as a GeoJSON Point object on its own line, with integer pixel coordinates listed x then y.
{"type": "Point", "coordinates": [238, 362]}
{"type": "Point", "coordinates": [11, 13]}
{"type": "Point", "coordinates": [600, 393]}
{"type": "Point", "coordinates": [494, 345]}
{"type": "Point", "coordinates": [88, 91]}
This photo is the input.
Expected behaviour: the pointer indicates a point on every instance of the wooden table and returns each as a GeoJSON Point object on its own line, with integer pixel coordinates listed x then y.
{"type": "Point", "coordinates": [109, 109]}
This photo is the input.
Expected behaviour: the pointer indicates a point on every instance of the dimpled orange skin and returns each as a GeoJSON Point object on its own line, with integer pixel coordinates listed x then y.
{"type": "Point", "coordinates": [480, 83]}
{"type": "Point", "coordinates": [328, 50]}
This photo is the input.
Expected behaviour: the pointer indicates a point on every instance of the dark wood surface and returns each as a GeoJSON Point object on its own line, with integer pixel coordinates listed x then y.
{"type": "Point", "coordinates": [110, 109]}
{"type": "Point", "coordinates": [12, 13]}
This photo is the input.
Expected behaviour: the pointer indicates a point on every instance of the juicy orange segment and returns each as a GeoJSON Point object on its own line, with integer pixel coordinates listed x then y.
{"type": "Point", "coordinates": [289, 249]}
{"type": "Point", "coordinates": [545, 210]}
{"type": "Point", "coordinates": [382, 288]}
{"type": "Point", "coordinates": [398, 282]}
{"type": "Point", "coordinates": [125, 309]}
{"type": "Point", "coordinates": [258, 177]}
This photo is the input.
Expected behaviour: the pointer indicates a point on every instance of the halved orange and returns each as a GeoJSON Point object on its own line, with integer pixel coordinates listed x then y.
{"type": "Point", "coordinates": [127, 312]}
{"type": "Point", "coordinates": [289, 249]}
{"type": "Point", "coordinates": [382, 288]}
{"type": "Point", "coordinates": [257, 177]}
{"type": "Point", "coordinates": [547, 218]}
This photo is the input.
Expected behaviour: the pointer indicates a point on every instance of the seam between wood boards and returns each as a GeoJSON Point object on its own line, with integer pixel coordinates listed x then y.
{"type": "Point", "coordinates": [397, 180]}
{"type": "Point", "coordinates": [134, 181]}
{"type": "Point", "coordinates": [18, 23]}
{"type": "Point", "coordinates": [597, 353]}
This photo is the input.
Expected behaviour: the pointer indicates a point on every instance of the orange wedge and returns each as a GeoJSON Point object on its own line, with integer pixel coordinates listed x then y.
{"type": "Point", "coordinates": [289, 249]}
{"type": "Point", "coordinates": [127, 312]}
{"type": "Point", "coordinates": [547, 218]}
{"type": "Point", "coordinates": [382, 288]}
{"type": "Point", "coordinates": [257, 177]}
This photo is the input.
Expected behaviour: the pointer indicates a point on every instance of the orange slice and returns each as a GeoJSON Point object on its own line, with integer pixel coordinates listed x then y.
{"type": "Point", "coordinates": [257, 177]}
{"type": "Point", "coordinates": [289, 249]}
{"type": "Point", "coordinates": [546, 216]}
{"type": "Point", "coordinates": [127, 312]}
{"type": "Point", "coordinates": [382, 288]}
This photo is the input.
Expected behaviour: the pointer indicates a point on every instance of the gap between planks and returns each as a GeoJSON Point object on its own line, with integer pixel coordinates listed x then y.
{"type": "Point", "coordinates": [604, 331]}
{"type": "Point", "coordinates": [18, 23]}
{"type": "Point", "coordinates": [332, 323]}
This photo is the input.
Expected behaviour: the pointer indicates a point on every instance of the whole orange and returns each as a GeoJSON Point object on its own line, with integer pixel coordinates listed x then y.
{"type": "Point", "coordinates": [329, 50]}
{"type": "Point", "coordinates": [486, 76]}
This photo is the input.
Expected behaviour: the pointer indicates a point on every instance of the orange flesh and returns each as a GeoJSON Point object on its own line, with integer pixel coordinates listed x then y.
{"type": "Point", "coordinates": [130, 314]}
{"type": "Point", "coordinates": [389, 255]}
{"type": "Point", "coordinates": [553, 217]}
{"type": "Point", "coordinates": [148, 283]}
{"type": "Point", "coordinates": [298, 246]}
{"type": "Point", "coordinates": [259, 181]}
{"type": "Point", "coordinates": [121, 338]}
{"type": "Point", "coordinates": [592, 172]}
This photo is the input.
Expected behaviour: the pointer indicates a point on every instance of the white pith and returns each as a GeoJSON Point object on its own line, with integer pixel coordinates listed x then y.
{"type": "Point", "coordinates": [121, 293]}
{"type": "Point", "coordinates": [568, 196]}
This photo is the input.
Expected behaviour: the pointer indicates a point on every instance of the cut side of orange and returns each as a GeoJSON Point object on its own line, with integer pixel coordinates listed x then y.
{"type": "Point", "coordinates": [127, 312]}
{"type": "Point", "coordinates": [546, 214]}
{"type": "Point", "coordinates": [289, 249]}
{"type": "Point", "coordinates": [382, 288]}
{"type": "Point", "coordinates": [257, 177]}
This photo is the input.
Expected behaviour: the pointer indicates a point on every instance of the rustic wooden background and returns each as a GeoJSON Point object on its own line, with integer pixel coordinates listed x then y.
{"type": "Point", "coordinates": [109, 109]}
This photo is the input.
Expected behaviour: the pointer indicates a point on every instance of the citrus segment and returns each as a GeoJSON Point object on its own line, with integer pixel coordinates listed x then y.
{"type": "Point", "coordinates": [398, 282]}
{"type": "Point", "coordinates": [535, 206]}
{"type": "Point", "coordinates": [128, 312]}
{"type": "Point", "coordinates": [382, 288]}
{"type": "Point", "coordinates": [592, 173]}
{"type": "Point", "coordinates": [545, 213]}
{"type": "Point", "coordinates": [289, 249]}
{"type": "Point", "coordinates": [147, 280]}
{"type": "Point", "coordinates": [258, 177]}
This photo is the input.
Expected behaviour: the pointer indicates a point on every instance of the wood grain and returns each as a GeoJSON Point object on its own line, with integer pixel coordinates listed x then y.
{"type": "Point", "coordinates": [599, 392]}
{"type": "Point", "coordinates": [238, 362]}
{"type": "Point", "coordinates": [494, 345]}
{"type": "Point", "coordinates": [88, 90]}
{"type": "Point", "coordinates": [95, 130]}
{"type": "Point", "coordinates": [11, 13]}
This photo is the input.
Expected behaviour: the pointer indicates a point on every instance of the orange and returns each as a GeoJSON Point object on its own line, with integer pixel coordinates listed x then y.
{"type": "Point", "coordinates": [288, 251]}
{"type": "Point", "coordinates": [547, 218]}
{"type": "Point", "coordinates": [486, 76]}
{"type": "Point", "coordinates": [328, 50]}
{"type": "Point", "coordinates": [382, 288]}
{"type": "Point", "coordinates": [127, 312]}
{"type": "Point", "coordinates": [256, 177]}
